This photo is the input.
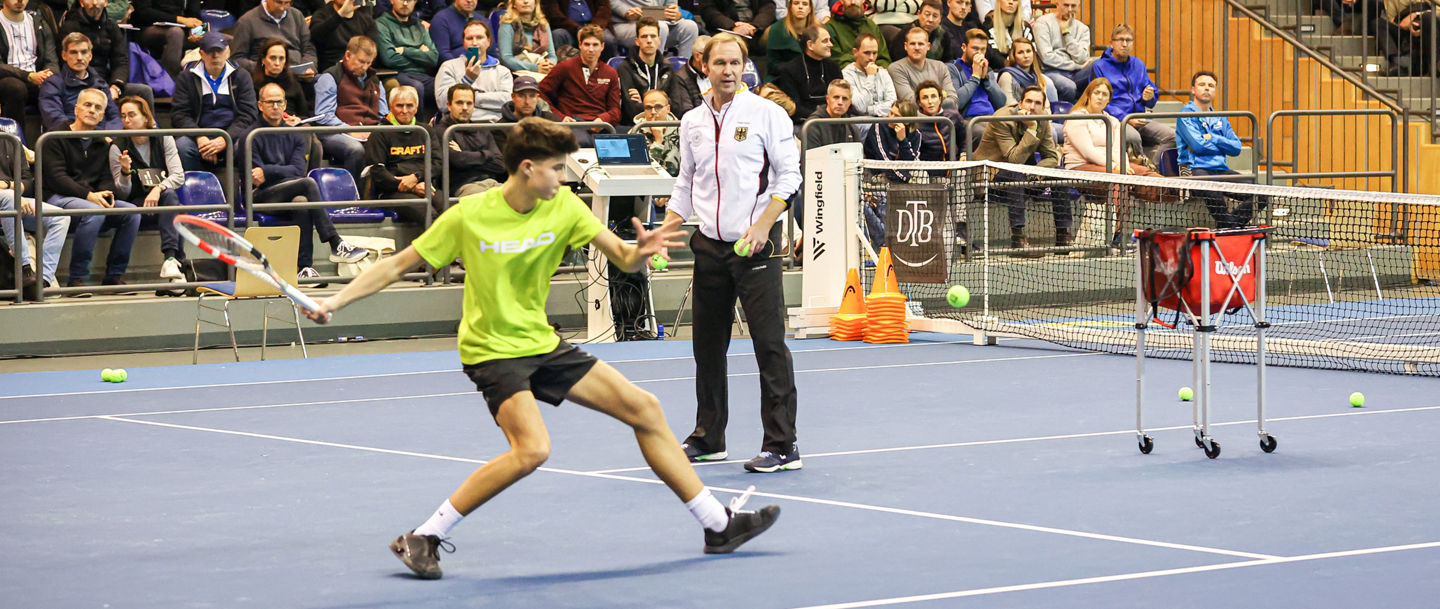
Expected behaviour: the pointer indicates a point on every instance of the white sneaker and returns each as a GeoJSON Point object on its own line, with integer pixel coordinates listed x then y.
{"type": "Point", "coordinates": [309, 272]}
{"type": "Point", "coordinates": [171, 270]}
{"type": "Point", "coordinates": [348, 253]}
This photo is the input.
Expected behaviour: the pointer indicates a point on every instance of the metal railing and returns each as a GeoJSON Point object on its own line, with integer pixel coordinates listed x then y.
{"type": "Point", "coordinates": [15, 219]}
{"type": "Point", "coordinates": [445, 138]}
{"type": "Point", "coordinates": [227, 184]}
{"type": "Point", "coordinates": [1254, 128]}
{"type": "Point", "coordinates": [309, 130]}
{"type": "Point", "coordinates": [1394, 173]}
{"type": "Point", "coordinates": [1111, 126]}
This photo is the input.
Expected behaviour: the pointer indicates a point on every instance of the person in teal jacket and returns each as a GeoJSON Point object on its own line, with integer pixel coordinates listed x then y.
{"type": "Point", "coordinates": [1205, 142]}
{"type": "Point", "coordinates": [405, 46]}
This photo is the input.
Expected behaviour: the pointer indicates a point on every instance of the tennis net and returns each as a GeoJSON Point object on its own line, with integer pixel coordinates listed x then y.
{"type": "Point", "coordinates": [1048, 254]}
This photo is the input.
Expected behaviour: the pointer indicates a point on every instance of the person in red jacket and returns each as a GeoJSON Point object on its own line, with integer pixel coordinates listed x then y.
{"type": "Point", "coordinates": [584, 88]}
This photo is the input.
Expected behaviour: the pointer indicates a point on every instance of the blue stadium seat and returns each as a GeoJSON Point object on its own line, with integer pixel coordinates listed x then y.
{"type": "Point", "coordinates": [1170, 163]}
{"type": "Point", "coordinates": [203, 188]}
{"type": "Point", "coordinates": [336, 184]}
{"type": "Point", "coordinates": [677, 63]}
{"type": "Point", "coordinates": [751, 80]}
{"type": "Point", "coordinates": [8, 125]}
{"type": "Point", "coordinates": [217, 20]}
{"type": "Point", "coordinates": [616, 61]}
{"type": "Point", "coordinates": [1060, 107]}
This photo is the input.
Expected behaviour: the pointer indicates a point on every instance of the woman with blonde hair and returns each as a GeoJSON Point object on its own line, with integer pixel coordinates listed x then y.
{"type": "Point", "coordinates": [1008, 23]}
{"type": "Point", "coordinates": [782, 40]}
{"type": "Point", "coordinates": [526, 44]}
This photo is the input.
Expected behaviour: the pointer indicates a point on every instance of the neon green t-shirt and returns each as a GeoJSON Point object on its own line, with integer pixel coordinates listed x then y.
{"type": "Point", "coordinates": [509, 259]}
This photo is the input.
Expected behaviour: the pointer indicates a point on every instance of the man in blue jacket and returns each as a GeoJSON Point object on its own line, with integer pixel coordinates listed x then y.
{"type": "Point", "coordinates": [1134, 93]}
{"type": "Point", "coordinates": [1205, 141]}
{"type": "Point", "coordinates": [59, 93]}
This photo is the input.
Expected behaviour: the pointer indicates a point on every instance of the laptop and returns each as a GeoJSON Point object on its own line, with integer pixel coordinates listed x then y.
{"type": "Point", "coordinates": [623, 154]}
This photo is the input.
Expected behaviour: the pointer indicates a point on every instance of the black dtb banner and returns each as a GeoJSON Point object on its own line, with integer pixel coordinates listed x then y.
{"type": "Point", "coordinates": [915, 221]}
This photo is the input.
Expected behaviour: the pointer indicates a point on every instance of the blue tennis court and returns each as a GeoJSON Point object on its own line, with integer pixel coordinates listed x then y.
{"type": "Point", "coordinates": [937, 474]}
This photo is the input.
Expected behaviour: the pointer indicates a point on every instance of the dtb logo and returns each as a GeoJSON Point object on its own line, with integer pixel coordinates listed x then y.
{"type": "Point", "coordinates": [916, 224]}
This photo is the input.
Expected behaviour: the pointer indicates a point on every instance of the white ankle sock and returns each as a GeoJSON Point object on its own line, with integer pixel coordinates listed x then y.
{"type": "Point", "coordinates": [707, 509]}
{"type": "Point", "coordinates": [440, 523]}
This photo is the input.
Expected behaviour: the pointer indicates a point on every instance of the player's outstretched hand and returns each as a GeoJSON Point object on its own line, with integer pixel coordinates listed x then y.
{"type": "Point", "coordinates": [658, 241]}
{"type": "Point", "coordinates": [323, 315]}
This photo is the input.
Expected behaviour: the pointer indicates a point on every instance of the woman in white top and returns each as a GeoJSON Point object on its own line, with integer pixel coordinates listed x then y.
{"type": "Point", "coordinates": [1085, 151]}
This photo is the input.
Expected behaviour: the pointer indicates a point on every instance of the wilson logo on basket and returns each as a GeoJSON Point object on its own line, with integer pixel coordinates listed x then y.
{"type": "Point", "coordinates": [516, 246]}
{"type": "Point", "coordinates": [1223, 267]}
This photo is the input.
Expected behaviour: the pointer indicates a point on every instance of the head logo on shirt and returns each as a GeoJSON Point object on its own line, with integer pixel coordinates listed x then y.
{"type": "Point", "coordinates": [740, 133]}
{"type": "Point", "coordinates": [517, 246]}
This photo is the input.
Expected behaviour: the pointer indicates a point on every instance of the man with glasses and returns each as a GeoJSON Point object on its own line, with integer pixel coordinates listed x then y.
{"type": "Point", "coordinates": [278, 175]}
{"type": "Point", "coordinates": [1134, 93]}
{"type": "Point", "coordinates": [274, 19]}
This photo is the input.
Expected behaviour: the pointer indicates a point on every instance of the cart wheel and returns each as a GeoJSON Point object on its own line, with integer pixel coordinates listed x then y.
{"type": "Point", "coordinates": [1147, 444]}
{"type": "Point", "coordinates": [1268, 443]}
{"type": "Point", "coordinates": [1199, 443]}
{"type": "Point", "coordinates": [1214, 449]}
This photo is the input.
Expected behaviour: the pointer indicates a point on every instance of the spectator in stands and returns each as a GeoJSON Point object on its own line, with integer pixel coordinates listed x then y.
{"type": "Point", "coordinates": [396, 161]}
{"type": "Point", "coordinates": [871, 85]}
{"type": "Point", "coordinates": [935, 137]}
{"type": "Point", "coordinates": [1063, 41]}
{"type": "Point", "coordinates": [822, 12]}
{"type": "Point", "coordinates": [59, 92]}
{"type": "Point", "coordinates": [56, 227]}
{"type": "Point", "coordinates": [806, 78]}
{"type": "Point", "coordinates": [643, 71]}
{"type": "Point", "coordinates": [1410, 44]}
{"type": "Point", "coordinates": [917, 68]}
{"type": "Point", "coordinates": [274, 19]}
{"type": "Point", "coordinates": [147, 169]}
{"type": "Point", "coordinates": [525, 39]}
{"type": "Point", "coordinates": [447, 29]}
{"type": "Point", "coordinates": [977, 94]}
{"type": "Point", "coordinates": [491, 81]}
{"type": "Point", "coordinates": [1085, 150]}
{"type": "Point", "coordinates": [405, 46]}
{"type": "Point", "coordinates": [110, 50]}
{"type": "Point", "coordinates": [167, 42]}
{"type": "Point", "coordinates": [1205, 142]}
{"type": "Point", "coordinates": [476, 164]}
{"type": "Point", "coordinates": [27, 45]}
{"type": "Point", "coordinates": [837, 105]}
{"type": "Point", "coordinates": [331, 29]}
{"type": "Point", "coordinates": [213, 94]}
{"type": "Point", "coordinates": [675, 33]}
{"type": "Point", "coordinates": [425, 10]}
{"type": "Point", "coordinates": [848, 24]}
{"type": "Point", "coordinates": [274, 67]}
{"type": "Point", "coordinates": [985, 8]}
{"type": "Point", "coordinates": [1009, 22]}
{"type": "Point", "coordinates": [583, 88]}
{"type": "Point", "coordinates": [1021, 142]}
{"type": "Point", "coordinates": [77, 176]}
{"type": "Point", "coordinates": [278, 175]}
{"type": "Point", "coordinates": [1022, 70]}
{"type": "Point", "coordinates": [782, 40]}
{"type": "Point", "coordinates": [1360, 9]}
{"type": "Point", "coordinates": [664, 142]}
{"type": "Point", "coordinates": [748, 18]}
{"type": "Point", "coordinates": [1134, 93]}
{"type": "Point", "coordinates": [959, 19]}
{"type": "Point", "coordinates": [350, 93]}
{"type": "Point", "coordinates": [928, 20]}
{"type": "Point", "coordinates": [690, 82]}
{"type": "Point", "coordinates": [524, 101]}
{"type": "Point", "coordinates": [889, 142]}
{"type": "Point", "coordinates": [567, 16]}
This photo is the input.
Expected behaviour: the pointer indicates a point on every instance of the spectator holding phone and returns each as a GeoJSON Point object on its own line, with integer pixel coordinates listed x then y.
{"type": "Point", "coordinates": [476, 69]}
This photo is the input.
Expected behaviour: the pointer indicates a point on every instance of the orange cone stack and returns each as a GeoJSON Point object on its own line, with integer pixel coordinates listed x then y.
{"type": "Point", "coordinates": [885, 307]}
{"type": "Point", "coordinates": [849, 324]}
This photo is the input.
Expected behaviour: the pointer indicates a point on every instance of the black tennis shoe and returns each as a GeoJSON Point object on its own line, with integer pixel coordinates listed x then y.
{"type": "Point", "coordinates": [696, 454]}
{"type": "Point", "coordinates": [770, 461]}
{"type": "Point", "coordinates": [743, 526]}
{"type": "Point", "coordinates": [421, 553]}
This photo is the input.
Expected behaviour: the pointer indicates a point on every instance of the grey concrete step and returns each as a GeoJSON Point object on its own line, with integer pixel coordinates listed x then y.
{"type": "Point", "coordinates": [1341, 45]}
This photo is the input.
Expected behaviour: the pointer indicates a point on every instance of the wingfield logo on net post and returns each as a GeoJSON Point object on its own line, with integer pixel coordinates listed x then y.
{"type": "Point", "coordinates": [817, 247]}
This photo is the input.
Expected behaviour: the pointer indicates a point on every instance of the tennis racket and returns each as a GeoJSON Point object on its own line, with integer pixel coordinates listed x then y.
{"type": "Point", "coordinates": [234, 250]}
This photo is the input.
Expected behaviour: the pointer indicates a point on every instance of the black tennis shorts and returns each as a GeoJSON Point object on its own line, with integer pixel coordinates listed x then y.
{"type": "Point", "coordinates": [549, 376]}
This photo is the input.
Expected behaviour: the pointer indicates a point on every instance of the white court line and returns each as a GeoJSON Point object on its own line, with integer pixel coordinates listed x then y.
{"type": "Point", "coordinates": [1071, 436]}
{"type": "Point", "coordinates": [252, 407]}
{"type": "Point", "coordinates": [796, 498]}
{"type": "Point", "coordinates": [1063, 583]}
{"type": "Point", "coordinates": [455, 369]}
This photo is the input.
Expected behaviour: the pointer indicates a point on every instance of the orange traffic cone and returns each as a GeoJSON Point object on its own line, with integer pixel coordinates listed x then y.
{"type": "Point", "coordinates": [849, 324]}
{"type": "Point", "coordinates": [885, 320]}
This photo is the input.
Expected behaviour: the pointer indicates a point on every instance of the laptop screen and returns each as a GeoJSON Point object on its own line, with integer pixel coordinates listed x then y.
{"type": "Point", "coordinates": [621, 149]}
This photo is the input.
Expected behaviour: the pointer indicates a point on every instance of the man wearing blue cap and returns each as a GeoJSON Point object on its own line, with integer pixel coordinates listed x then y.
{"type": "Point", "coordinates": [213, 94]}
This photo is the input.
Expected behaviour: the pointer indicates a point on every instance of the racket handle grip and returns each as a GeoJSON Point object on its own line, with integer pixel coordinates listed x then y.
{"type": "Point", "coordinates": [300, 298]}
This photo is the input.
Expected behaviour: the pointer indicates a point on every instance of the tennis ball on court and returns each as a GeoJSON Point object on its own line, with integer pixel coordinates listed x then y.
{"type": "Point", "coordinates": [958, 296]}
{"type": "Point", "coordinates": [1357, 399]}
{"type": "Point", "coordinates": [742, 249]}
{"type": "Point", "coordinates": [107, 375]}
{"type": "Point", "coordinates": [1186, 394]}
{"type": "Point", "coordinates": [119, 375]}
{"type": "Point", "coordinates": [659, 262]}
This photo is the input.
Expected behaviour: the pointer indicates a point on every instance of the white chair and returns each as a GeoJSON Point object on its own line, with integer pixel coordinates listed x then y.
{"type": "Point", "coordinates": [279, 244]}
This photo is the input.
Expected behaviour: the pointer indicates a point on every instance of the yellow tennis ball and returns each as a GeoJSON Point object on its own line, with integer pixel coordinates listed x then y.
{"type": "Point", "coordinates": [1186, 394]}
{"type": "Point", "coordinates": [742, 249]}
{"type": "Point", "coordinates": [1357, 399]}
{"type": "Point", "coordinates": [659, 262]}
{"type": "Point", "coordinates": [107, 375]}
{"type": "Point", "coordinates": [958, 296]}
{"type": "Point", "coordinates": [120, 375]}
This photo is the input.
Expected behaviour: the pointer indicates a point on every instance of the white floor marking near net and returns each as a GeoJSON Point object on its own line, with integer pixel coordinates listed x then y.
{"type": "Point", "coordinates": [1063, 583]}
{"type": "Point", "coordinates": [846, 504]}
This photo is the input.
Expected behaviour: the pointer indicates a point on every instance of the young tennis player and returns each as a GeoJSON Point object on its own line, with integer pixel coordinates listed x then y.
{"type": "Point", "coordinates": [512, 239]}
